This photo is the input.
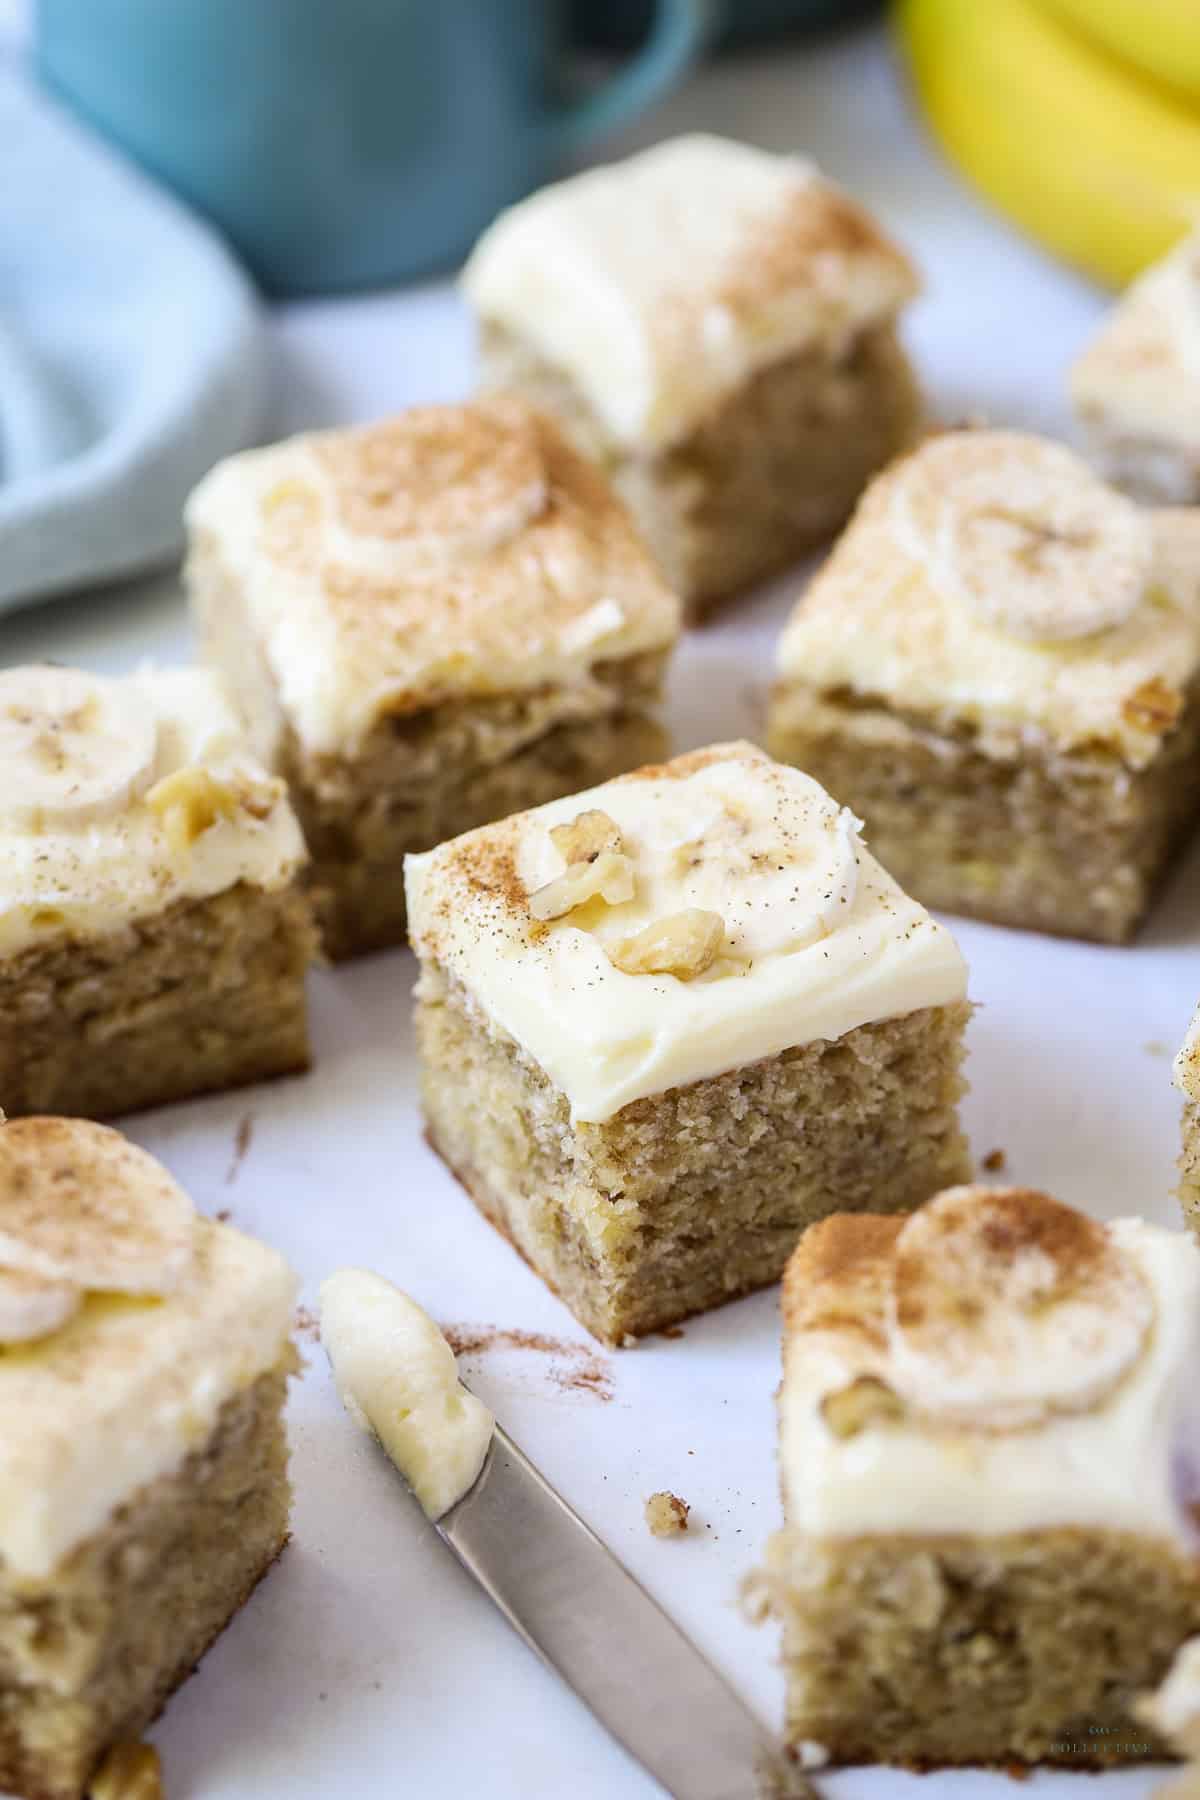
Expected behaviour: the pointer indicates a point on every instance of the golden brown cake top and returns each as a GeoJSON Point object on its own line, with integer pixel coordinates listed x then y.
{"type": "Point", "coordinates": [994, 1361]}
{"type": "Point", "coordinates": [660, 284]}
{"type": "Point", "coordinates": [126, 1323]}
{"type": "Point", "coordinates": [675, 923]}
{"type": "Point", "coordinates": [449, 553]}
{"type": "Point", "coordinates": [1139, 378]}
{"type": "Point", "coordinates": [121, 796]}
{"type": "Point", "coordinates": [990, 584]}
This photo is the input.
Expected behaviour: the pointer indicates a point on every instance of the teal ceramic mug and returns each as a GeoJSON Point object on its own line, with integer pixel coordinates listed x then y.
{"type": "Point", "coordinates": [345, 143]}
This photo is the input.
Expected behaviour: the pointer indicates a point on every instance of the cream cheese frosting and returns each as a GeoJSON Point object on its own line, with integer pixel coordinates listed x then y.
{"type": "Point", "coordinates": [397, 1378]}
{"type": "Point", "coordinates": [452, 552]}
{"type": "Point", "coordinates": [660, 284]}
{"type": "Point", "coordinates": [1139, 378]}
{"type": "Point", "coordinates": [1174, 1709]}
{"type": "Point", "coordinates": [133, 1381]}
{"type": "Point", "coordinates": [811, 937]}
{"type": "Point", "coordinates": [122, 796]}
{"type": "Point", "coordinates": [1187, 1062]}
{"type": "Point", "coordinates": [990, 582]}
{"type": "Point", "coordinates": [1062, 1395]}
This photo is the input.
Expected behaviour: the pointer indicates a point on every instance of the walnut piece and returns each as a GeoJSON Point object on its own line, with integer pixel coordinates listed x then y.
{"type": "Point", "coordinates": [684, 944]}
{"type": "Point", "coordinates": [667, 1514]}
{"type": "Point", "coordinates": [130, 1771]}
{"type": "Point", "coordinates": [867, 1401]}
{"type": "Point", "coordinates": [190, 801]}
{"type": "Point", "coordinates": [586, 837]}
{"type": "Point", "coordinates": [608, 875]}
{"type": "Point", "coordinates": [1153, 706]}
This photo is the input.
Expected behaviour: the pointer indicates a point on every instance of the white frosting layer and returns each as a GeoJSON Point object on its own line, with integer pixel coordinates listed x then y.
{"type": "Point", "coordinates": [881, 621]}
{"type": "Point", "coordinates": [1174, 1709]}
{"type": "Point", "coordinates": [1132, 1463]}
{"type": "Point", "coordinates": [449, 553]}
{"type": "Point", "coordinates": [94, 872]}
{"type": "Point", "coordinates": [397, 1377]}
{"type": "Point", "coordinates": [1139, 378]}
{"type": "Point", "coordinates": [660, 284]}
{"type": "Point", "coordinates": [818, 938]}
{"type": "Point", "coordinates": [123, 1393]}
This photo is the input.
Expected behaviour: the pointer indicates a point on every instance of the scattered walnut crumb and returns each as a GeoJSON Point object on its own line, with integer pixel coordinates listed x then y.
{"type": "Point", "coordinates": [994, 1161]}
{"type": "Point", "coordinates": [667, 1514]}
{"type": "Point", "coordinates": [585, 837]}
{"type": "Point", "coordinates": [1156, 1047]}
{"type": "Point", "coordinates": [684, 944]}
{"type": "Point", "coordinates": [1153, 706]}
{"type": "Point", "coordinates": [130, 1771]}
{"type": "Point", "coordinates": [866, 1401]}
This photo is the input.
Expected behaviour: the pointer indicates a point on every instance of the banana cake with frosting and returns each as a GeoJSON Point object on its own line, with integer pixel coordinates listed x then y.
{"type": "Point", "coordinates": [144, 1358]}
{"type": "Point", "coordinates": [153, 936]}
{"type": "Point", "coordinates": [429, 622]}
{"type": "Point", "coordinates": [665, 1024]}
{"type": "Point", "coordinates": [716, 326]}
{"type": "Point", "coordinates": [990, 1459]}
{"type": "Point", "coordinates": [999, 669]}
{"type": "Point", "coordinates": [1187, 1080]}
{"type": "Point", "coordinates": [1136, 387]}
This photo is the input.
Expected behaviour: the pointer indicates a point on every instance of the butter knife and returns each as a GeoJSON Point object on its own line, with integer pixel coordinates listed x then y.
{"type": "Point", "coordinates": [587, 1618]}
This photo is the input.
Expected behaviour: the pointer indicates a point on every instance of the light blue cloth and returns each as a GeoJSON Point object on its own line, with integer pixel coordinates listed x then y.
{"type": "Point", "coordinates": [132, 355]}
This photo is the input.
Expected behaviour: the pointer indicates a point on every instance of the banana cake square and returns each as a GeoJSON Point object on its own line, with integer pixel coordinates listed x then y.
{"type": "Point", "coordinates": [664, 1024]}
{"type": "Point", "coordinates": [144, 1358]}
{"type": "Point", "coordinates": [998, 668]}
{"type": "Point", "coordinates": [1187, 1080]}
{"type": "Point", "coordinates": [153, 934]}
{"type": "Point", "coordinates": [990, 1461]}
{"type": "Point", "coordinates": [716, 326]}
{"type": "Point", "coordinates": [1136, 386]}
{"type": "Point", "coordinates": [429, 622]}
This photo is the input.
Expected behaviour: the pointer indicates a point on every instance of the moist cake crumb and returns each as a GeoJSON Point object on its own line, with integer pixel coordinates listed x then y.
{"type": "Point", "coordinates": [667, 1514]}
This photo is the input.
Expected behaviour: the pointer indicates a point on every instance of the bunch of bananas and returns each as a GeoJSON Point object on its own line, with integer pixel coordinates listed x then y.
{"type": "Point", "coordinates": [1078, 118]}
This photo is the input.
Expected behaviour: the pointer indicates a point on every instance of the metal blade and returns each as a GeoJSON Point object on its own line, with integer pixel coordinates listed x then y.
{"type": "Point", "coordinates": [586, 1616]}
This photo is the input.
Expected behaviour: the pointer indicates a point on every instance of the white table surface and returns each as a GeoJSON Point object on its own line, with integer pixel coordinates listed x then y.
{"type": "Point", "coordinates": [368, 1664]}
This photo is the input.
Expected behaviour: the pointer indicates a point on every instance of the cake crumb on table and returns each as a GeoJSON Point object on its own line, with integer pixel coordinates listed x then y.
{"type": "Point", "coordinates": [130, 1771]}
{"type": "Point", "coordinates": [994, 1161]}
{"type": "Point", "coordinates": [667, 1514]}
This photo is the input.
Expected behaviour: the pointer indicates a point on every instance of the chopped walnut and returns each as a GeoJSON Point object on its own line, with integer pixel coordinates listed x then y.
{"type": "Point", "coordinates": [608, 876]}
{"type": "Point", "coordinates": [190, 801]}
{"type": "Point", "coordinates": [1153, 706]}
{"type": "Point", "coordinates": [130, 1771]}
{"type": "Point", "coordinates": [667, 1514]}
{"type": "Point", "coordinates": [586, 837]}
{"type": "Point", "coordinates": [684, 944]}
{"type": "Point", "coordinates": [867, 1401]}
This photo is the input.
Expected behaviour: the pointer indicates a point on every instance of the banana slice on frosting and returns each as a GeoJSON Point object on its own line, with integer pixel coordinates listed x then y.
{"type": "Point", "coordinates": [1006, 1306]}
{"type": "Point", "coordinates": [446, 484]}
{"type": "Point", "coordinates": [73, 747]}
{"type": "Point", "coordinates": [31, 1308]}
{"type": "Point", "coordinates": [82, 1207]}
{"type": "Point", "coordinates": [1022, 532]}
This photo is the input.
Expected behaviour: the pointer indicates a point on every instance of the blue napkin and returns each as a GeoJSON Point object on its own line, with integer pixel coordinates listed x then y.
{"type": "Point", "coordinates": [132, 355]}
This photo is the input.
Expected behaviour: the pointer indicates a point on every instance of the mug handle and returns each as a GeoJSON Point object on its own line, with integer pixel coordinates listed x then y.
{"type": "Point", "coordinates": [681, 30]}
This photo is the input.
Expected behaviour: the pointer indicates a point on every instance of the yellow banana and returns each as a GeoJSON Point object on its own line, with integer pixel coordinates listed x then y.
{"type": "Point", "coordinates": [1159, 37]}
{"type": "Point", "coordinates": [1099, 164]}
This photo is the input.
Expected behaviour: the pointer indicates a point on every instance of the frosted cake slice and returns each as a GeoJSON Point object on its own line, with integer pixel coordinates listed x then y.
{"type": "Point", "coordinates": [990, 1460]}
{"type": "Point", "coordinates": [999, 669]}
{"type": "Point", "coordinates": [154, 938]}
{"type": "Point", "coordinates": [666, 1023]}
{"type": "Point", "coordinates": [428, 622]}
{"type": "Point", "coordinates": [144, 1357]}
{"type": "Point", "coordinates": [716, 326]}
